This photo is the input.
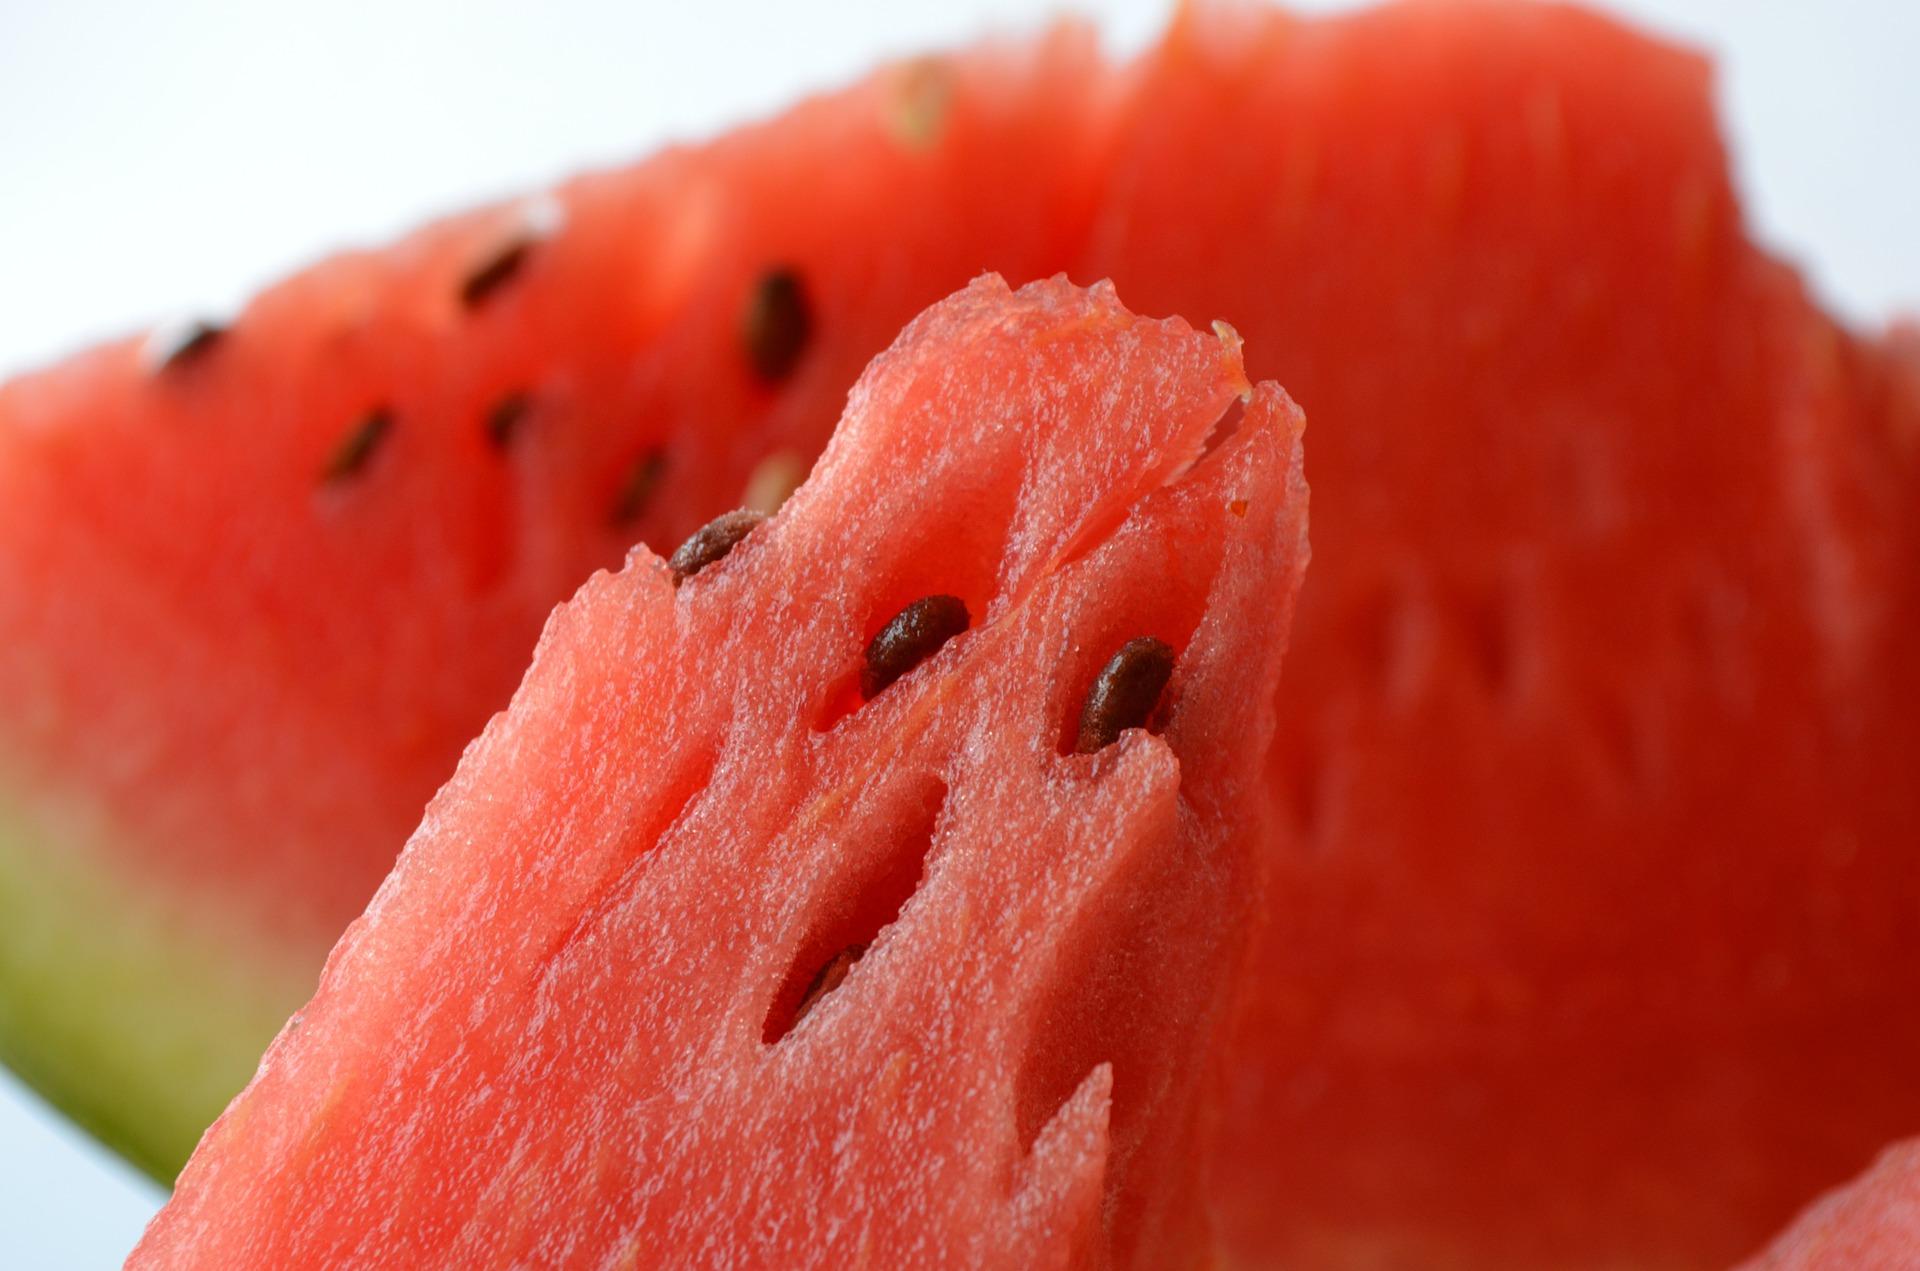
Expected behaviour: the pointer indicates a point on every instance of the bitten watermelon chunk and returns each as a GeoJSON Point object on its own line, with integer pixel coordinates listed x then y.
{"type": "Point", "coordinates": [720, 948]}
{"type": "Point", "coordinates": [1871, 1224]}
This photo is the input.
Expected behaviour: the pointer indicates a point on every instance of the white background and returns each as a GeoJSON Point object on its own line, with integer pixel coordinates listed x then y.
{"type": "Point", "coordinates": [165, 157]}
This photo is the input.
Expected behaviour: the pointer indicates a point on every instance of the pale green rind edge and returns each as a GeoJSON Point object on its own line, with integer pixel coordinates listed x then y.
{"type": "Point", "coordinates": [138, 1014]}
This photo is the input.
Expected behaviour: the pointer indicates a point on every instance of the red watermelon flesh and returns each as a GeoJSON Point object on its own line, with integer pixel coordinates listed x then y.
{"type": "Point", "coordinates": [595, 951]}
{"type": "Point", "coordinates": [1596, 931]}
{"type": "Point", "coordinates": [1872, 1224]}
{"type": "Point", "coordinates": [254, 601]}
{"type": "Point", "coordinates": [1600, 776]}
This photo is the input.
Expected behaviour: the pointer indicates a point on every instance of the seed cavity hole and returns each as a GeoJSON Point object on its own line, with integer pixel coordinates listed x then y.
{"type": "Point", "coordinates": [1226, 426]}
{"type": "Point", "coordinates": [827, 979]}
{"type": "Point", "coordinates": [712, 542]}
{"type": "Point", "coordinates": [1115, 957]}
{"type": "Point", "coordinates": [913, 635]}
{"type": "Point", "coordinates": [777, 326]}
{"type": "Point", "coordinates": [647, 827]}
{"type": "Point", "coordinates": [883, 865]}
{"type": "Point", "coordinates": [841, 700]}
{"type": "Point", "coordinates": [1126, 694]}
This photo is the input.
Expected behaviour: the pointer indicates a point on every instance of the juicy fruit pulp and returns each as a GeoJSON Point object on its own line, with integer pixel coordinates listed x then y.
{"type": "Point", "coordinates": [699, 969]}
{"type": "Point", "coordinates": [1599, 764]}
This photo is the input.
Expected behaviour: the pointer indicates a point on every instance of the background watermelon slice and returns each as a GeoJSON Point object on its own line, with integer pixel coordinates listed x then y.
{"type": "Point", "coordinates": [1600, 773]}
{"type": "Point", "coordinates": [1600, 757]}
{"type": "Point", "coordinates": [257, 592]}
{"type": "Point", "coordinates": [602, 1012]}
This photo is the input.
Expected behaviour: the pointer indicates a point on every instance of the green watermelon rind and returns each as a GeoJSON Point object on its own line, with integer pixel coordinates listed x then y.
{"type": "Point", "coordinates": [101, 1029]}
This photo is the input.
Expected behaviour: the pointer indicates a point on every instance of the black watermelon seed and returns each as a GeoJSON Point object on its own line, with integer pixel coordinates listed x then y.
{"type": "Point", "coordinates": [831, 976]}
{"type": "Point", "coordinates": [1124, 693]}
{"type": "Point", "coordinates": [178, 346]}
{"type": "Point", "coordinates": [712, 542]}
{"type": "Point", "coordinates": [495, 272]}
{"type": "Point", "coordinates": [504, 420]}
{"type": "Point", "coordinates": [915, 634]}
{"type": "Point", "coordinates": [358, 446]}
{"type": "Point", "coordinates": [778, 325]}
{"type": "Point", "coordinates": [638, 491]}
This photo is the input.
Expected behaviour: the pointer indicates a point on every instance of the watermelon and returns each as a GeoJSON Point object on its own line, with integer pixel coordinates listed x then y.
{"type": "Point", "coordinates": [1872, 1224]}
{"type": "Point", "coordinates": [1595, 934]}
{"type": "Point", "coordinates": [732, 944]}
{"type": "Point", "coordinates": [1597, 768]}
{"type": "Point", "coordinates": [260, 585]}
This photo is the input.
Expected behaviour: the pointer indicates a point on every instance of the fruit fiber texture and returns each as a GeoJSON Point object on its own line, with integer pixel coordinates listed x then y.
{"type": "Point", "coordinates": [576, 1025]}
{"type": "Point", "coordinates": [1871, 1224]}
{"type": "Point", "coordinates": [1593, 940]}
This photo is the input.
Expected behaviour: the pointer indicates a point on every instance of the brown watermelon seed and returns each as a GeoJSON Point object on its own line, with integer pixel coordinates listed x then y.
{"type": "Point", "coordinates": [778, 325]}
{"type": "Point", "coordinates": [915, 634]}
{"type": "Point", "coordinates": [504, 420]}
{"type": "Point", "coordinates": [1124, 693]}
{"type": "Point", "coordinates": [831, 977]}
{"type": "Point", "coordinates": [358, 446]}
{"type": "Point", "coordinates": [639, 488]}
{"type": "Point", "coordinates": [712, 542]}
{"type": "Point", "coordinates": [495, 271]}
{"type": "Point", "coordinates": [180, 344]}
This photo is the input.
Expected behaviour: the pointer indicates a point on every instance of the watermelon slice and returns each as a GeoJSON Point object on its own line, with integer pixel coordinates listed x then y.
{"type": "Point", "coordinates": [730, 945]}
{"type": "Point", "coordinates": [1872, 1224]}
{"type": "Point", "coordinates": [259, 587]}
{"type": "Point", "coordinates": [1598, 769]}
{"type": "Point", "coordinates": [1600, 757]}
